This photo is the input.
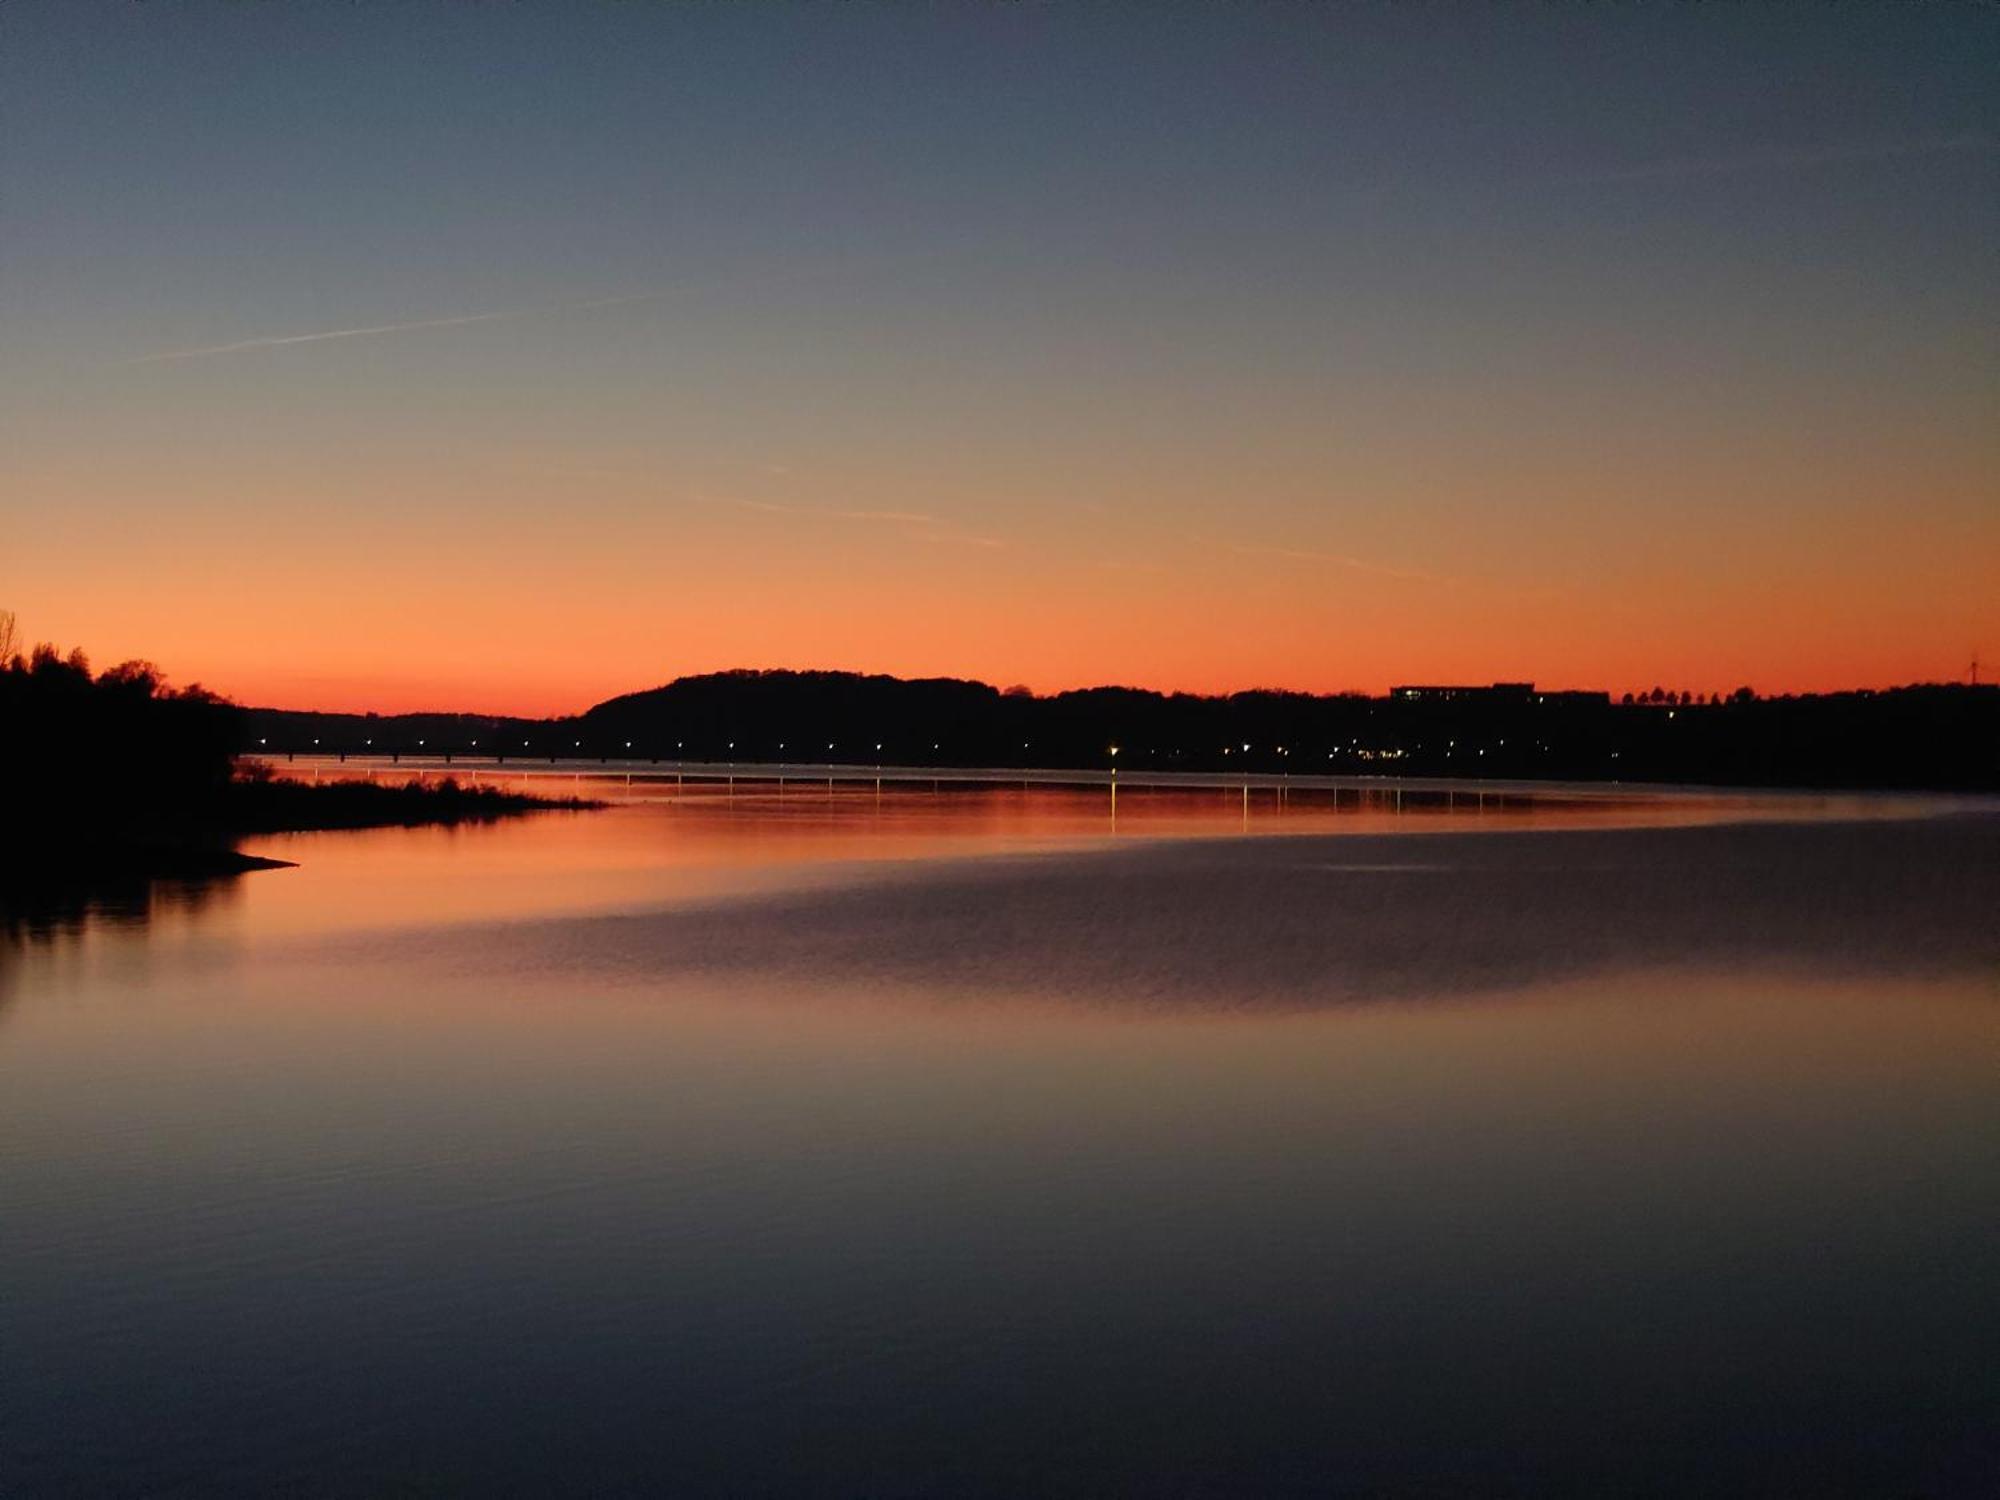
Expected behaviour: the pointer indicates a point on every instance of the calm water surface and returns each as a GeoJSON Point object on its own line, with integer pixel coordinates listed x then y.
{"type": "Point", "coordinates": [963, 1141]}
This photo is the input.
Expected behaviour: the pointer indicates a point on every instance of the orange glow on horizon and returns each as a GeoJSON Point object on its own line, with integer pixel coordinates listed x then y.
{"type": "Point", "coordinates": [445, 595]}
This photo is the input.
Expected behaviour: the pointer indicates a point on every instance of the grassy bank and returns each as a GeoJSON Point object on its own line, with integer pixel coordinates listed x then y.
{"type": "Point", "coordinates": [194, 838]}
{"type": "Point", "coordinates": [254, 803]}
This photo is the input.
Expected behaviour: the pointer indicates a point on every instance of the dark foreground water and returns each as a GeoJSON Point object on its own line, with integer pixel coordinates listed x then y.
{"type": "Point", "coordinates": [949, 1144]}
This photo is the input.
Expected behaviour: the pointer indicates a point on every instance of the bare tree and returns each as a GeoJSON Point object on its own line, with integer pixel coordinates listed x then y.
{"type": "Point", "coordinates": [7, 636]}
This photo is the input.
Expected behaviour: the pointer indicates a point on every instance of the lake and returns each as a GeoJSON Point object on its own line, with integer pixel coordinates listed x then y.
{"type": "Point", "coordinates": [959, 1138]}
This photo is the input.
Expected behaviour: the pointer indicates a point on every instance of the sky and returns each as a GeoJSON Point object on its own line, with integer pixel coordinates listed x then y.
{"type": "Point", "coordinates": [505, 357]}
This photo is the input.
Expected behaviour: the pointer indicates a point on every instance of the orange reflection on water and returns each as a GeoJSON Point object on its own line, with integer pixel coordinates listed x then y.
{"type": "Point", "coordinates": [668, 839]}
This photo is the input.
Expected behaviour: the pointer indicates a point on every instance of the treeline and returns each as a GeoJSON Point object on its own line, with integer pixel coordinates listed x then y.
{"type": "Point", "coordinates": [115, 775]}
{"type": "Point", "coordinates": [116, 753]}
{"type": "Point", "coordinates": [122, 750]}
{"type": "Point", "coordinates": [1941, 736]}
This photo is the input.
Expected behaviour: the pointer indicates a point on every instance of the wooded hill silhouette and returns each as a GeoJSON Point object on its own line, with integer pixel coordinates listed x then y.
{"type": "Point", "coordinates": [1940, 736]}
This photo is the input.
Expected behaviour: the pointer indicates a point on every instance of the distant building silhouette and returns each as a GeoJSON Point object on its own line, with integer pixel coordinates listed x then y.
{"type": "Point", "coordinates": [1494, 694]}
{"type": "Point", "coordinates": [1497, 692]}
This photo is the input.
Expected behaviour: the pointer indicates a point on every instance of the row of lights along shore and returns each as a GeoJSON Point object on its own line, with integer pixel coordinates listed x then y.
{"type": "Point", "coordinates": [500, 753]}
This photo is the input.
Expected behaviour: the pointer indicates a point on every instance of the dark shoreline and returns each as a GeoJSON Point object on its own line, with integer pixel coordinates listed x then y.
{"type": "Point", "coordinates": [37, 868]}
{"type": "Point", "coordinates": [52, 859]}
{"type": "Point", "coordinates": [256, 804]}
{"type": "Point", "coordinates": [1917, 737]}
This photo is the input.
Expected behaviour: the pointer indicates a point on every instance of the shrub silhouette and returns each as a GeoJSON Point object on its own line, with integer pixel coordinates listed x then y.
{"type": "Point", "coordinates": [118, 753]}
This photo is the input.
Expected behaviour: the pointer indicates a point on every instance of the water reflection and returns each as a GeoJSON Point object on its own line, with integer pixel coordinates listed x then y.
{"type": "Point", "coordinates": [737, 1147]}
{"type": "Point", "coordinates": [673, 841]}
{"type": "Point", "coordinates": [59, 930]}
{"type": "Point", "coordinates": [901, 882]}
{"type": "Point", "coordinates": [1225, 925]}
{"type": "Point", "coordinates": [49, 912]}
{"type": "Point", "coordinates": [674, 838]}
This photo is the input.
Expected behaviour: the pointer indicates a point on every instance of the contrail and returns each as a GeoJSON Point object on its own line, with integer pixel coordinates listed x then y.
{"type": "Point", "coordinates": [242, 346]}
{"type": "Point", "coordinates": [373, 330]}
{"type": "Point", "coordinates": [1360, 565]}
{"type": "Point", "coordinates": [1784, 158]}
{"type": "Point", "coordinates": [770, 507]}
{"type": "Point", "coordinates": [888, 515]}
{"type": "Point", "coordinates": [934, 527]}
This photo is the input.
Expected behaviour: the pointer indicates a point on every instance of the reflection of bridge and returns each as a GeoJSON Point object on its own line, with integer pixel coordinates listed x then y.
{"type": "Point", "coordinates": [634, 771]}
{"type": "Point", "coordinates": [665, 781]}
{"type": "Point", "coordinates": [1243, 793]}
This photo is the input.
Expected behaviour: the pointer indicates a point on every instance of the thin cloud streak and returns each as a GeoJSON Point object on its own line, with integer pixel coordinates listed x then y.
{"type": "Point", "coordinates": [373, 330]}
{"type": "Point", "coordinates": [1359, 564]}
{"type": "Point", "coordinates": [771, 507]}
{"type": "Point", "coordinates": [244, 346]}
{"type": "Point", "coordinates": [933, 526]}
{"type": "Point", "coordinates": [1788, 159]}
{"type": "Point", "coordinates": [886, 515]}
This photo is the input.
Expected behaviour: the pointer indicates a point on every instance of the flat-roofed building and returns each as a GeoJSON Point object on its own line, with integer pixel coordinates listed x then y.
{"type": "Point", "coordinates": [1495, 692]}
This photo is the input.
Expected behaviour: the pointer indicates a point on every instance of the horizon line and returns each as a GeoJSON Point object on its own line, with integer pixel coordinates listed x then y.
{"type": "Point", "coordinates": [1615, 696]}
